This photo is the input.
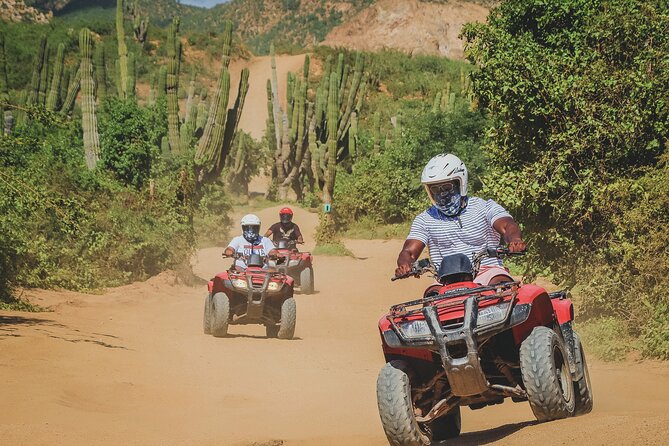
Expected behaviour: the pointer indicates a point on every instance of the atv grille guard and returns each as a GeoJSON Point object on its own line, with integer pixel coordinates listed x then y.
{"type": "Point", "coordinates": [464, 374]}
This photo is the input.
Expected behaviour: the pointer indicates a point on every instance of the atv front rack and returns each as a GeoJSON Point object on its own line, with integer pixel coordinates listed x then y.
{"type": "Point", "coordinates": [465, 374]}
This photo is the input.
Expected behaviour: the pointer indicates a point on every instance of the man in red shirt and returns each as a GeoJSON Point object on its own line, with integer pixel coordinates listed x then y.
{"type": "Point", "coordinates": [285, 229]}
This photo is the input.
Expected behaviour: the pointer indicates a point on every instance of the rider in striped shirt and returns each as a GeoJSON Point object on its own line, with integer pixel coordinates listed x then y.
{"type": "Point", "coordinates": [458, 224]}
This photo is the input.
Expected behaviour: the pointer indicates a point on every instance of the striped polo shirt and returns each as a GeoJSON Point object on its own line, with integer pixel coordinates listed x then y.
{"type": "Point", "coordinates": [468, 233]}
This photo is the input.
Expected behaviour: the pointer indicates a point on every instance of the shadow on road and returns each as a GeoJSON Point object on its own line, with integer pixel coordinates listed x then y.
{"type": "Point", "coordinates": [490, 435]}
{"type": "Point", "coordinates": [9, 326]}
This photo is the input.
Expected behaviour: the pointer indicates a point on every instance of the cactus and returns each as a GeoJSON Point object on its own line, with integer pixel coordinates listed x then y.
{"type": "Point", "coordinates": [88, 119]}
{"type": "Point", "coordinates": [132, 79]}
{"type": "Point", "coordinates": [4, 82]}
{"type": "Point", "coordinates": [162, 82]}
{"type": "Point", "coordinates": [21, 115]}
{"type": "Point", "coordinates": [335, 126]}
{"type": "Point", "coordinates": [289, 128]}
{"type": "Point", "coordinates": [140, 24]}
{"type": "Point", "coordinates": [64, 84]}
{"type": "Point", "coordinates": [123, 75]}
{"type": "Point", "coordinates": [44, 79]}
{"type": "Point", "coordinates": [33, 94]}
{"type": "Point", "coordinates": [202, 116]}
{"type": "Point", "coordinates": [100, 73]}
{"type": "Point", "coordinates": [191, 96]}
{"type": "Point", "coordinates": [72, 91]}
{"type": "Point", "coordinates": [172, 87]}
{"type": "Point", "coordinates": [54, 90]}
{"type": "Point", "coordinates": [219, 131]}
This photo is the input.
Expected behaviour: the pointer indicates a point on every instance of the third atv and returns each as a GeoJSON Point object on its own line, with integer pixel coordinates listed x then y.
{"type": "Point", "coordinates": [296, 264]}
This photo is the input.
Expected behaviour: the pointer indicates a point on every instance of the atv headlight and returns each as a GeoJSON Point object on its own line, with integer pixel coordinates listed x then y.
{"type": "Point", "coordinates": [492, 314]}
{"type": "Point", "coordinates": [239, 283]}
{"type": "Point", "coordinates": [274, 286]}
{"type": "Point", "coordinates": [415, 329]}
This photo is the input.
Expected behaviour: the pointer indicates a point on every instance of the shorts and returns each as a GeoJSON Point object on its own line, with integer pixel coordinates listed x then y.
{"type": "Point", "coordinates": [486, 273]}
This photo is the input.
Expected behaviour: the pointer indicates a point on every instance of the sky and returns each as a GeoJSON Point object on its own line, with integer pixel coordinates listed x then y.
{"type": "Point", "coordinates": [205, 3]}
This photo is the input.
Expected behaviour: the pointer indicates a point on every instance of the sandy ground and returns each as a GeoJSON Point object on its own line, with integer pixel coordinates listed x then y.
{"type": "Point", "coordinates": [131, 366]}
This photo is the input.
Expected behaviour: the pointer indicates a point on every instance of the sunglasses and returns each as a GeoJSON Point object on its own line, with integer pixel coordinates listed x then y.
{"type": "Point", "coordinates": [443, 188]}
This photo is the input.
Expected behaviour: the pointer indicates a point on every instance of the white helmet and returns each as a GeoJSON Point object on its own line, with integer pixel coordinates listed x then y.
{"type": "Point", "coordinates": [251, 228]}
{"type": "Point", "coordinates": [446, 168]}
{"type": "Point", "coordinates": [250, 219]}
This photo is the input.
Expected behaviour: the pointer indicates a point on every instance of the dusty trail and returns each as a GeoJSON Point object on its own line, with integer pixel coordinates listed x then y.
{"type": "Point", "coordinates": [132, 366]}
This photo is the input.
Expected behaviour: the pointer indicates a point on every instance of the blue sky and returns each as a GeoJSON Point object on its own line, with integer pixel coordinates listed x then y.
{"type": "Point", "coordinates": [205, 3]}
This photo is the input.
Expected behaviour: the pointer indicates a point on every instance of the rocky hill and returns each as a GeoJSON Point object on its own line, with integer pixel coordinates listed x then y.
{"type": "Point", "coordinates": [413, 26]}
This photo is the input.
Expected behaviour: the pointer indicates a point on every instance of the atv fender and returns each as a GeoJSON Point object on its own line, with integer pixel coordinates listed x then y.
{"type": "Point", "coordinates": [541, 311]}
{"type": "Point", "coordinates": [564, 310]}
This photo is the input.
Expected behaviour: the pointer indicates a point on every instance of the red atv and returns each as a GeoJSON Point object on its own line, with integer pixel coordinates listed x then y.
{"type": "Point", "coordinates": [252, 296]}
{"type": "Point", "coordinates": [464, 344]}
{"type": "Point", "coordinates": [296, 264]}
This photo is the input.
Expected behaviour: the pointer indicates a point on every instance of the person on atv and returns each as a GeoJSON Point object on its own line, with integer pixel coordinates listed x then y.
{"type": "Point", "coordinates": [458, 224]}
{"type": "Point", "coordinates": [285, 229]}
{"type": "Point", "coordinates": [250, 242]}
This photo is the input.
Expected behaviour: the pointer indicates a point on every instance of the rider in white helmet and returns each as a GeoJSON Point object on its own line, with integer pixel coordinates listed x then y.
{"type": "Point", "coordinates": [250, 242]}
{"type": "Point", "coordinates": [457, 223]}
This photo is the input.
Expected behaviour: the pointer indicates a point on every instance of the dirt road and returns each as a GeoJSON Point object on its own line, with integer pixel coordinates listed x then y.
{"type": "Point", "coordinates": [131, 366]}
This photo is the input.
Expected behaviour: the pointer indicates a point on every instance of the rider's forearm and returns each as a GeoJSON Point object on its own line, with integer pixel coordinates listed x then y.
{"type": "Point", "coordinates": [512, 232]}
{"type": "Point", "coordinates": [406, 257]}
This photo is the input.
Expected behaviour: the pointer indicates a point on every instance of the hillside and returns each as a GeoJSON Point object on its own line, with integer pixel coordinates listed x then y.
{"type": "Point", "coordinates": [411, 26]}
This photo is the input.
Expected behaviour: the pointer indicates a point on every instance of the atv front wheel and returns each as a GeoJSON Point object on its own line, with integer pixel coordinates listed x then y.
{"type": "Point", "coordinates": [220, 315]}
{"type": "Point", "coordinates": [393, 396]}
{"type": "Point", "coordinates": [546, 374]}
{"type": "Point", "coordinates": [206, 323]}
{"type": "Point", "coordinates": [307, 280]}
{"type": "Point", "coordinates": [582, 388]}
{"type": "Point", "coordinates": [447, 426]}
{"type": "Point", "coordinates": [288, 319]}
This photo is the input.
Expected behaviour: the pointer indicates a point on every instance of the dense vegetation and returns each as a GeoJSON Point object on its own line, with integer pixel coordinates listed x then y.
{"type": "Point", "coordinates": [578, 95]}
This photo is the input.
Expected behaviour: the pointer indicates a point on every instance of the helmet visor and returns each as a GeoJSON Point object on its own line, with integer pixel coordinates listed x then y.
{"type": "Point", "coordinates": [285, 218]}
{"type": "Point", "coordinates": [251, 232]}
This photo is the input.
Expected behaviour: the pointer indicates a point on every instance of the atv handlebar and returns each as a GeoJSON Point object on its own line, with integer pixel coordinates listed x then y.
{"type": "Point", "coordinates": [502, 251]}
{"type": "Point", "coordinates": [418, 268]}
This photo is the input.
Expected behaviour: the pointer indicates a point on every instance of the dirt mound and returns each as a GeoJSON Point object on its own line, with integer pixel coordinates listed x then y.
{"type": "Point", "coordinates": [408, 25]}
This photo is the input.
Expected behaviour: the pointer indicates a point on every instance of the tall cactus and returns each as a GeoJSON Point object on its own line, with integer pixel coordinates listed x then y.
{"type": "Point", "coordinates": [122, 51]}
{"type": "Point", "coordinates": [72, 91]}
{"type": "Point", "coordinates": [289, 127]}
{"type": "Point", "coordinates": [54, 90]}
{"type": "Point", "coordinates": [44, 78]}
{"type": "Point", "coordinates": [132, 77]}
{"type": "Point", "coordinates": [172, 86]}
{"type": "Point", "coordinates": [100, 73]}
{"type": "Point", "coordinates": [214, 146]}
{"type": "Point", "coordinates": [4, 82]}
{"type": "Point", "coordinates": [33, 93]}
{"type": "Point", "coordinates": [333, 114]}
{"type": "Point", "coordinates": [88, 120]}
{"type": "Point", "coordinates": [335, 122]}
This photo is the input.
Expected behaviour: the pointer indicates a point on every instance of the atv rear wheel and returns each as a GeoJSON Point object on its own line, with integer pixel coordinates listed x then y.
{"type": "Point", "coordinates": [446, 427]}
{"type": "Point", "coordinates": [582, 388]}
{"type": "Point", "coordinates": [546, 374]}
{"type": "Point", "coordinates": [307, 280]}
{"type": "Point", "coordinates": [206, 323]}
{"type": "Point", "coordinates": [220, 315]}
{"type": "Point", "coordinates": [288, 319]}
{"type": "Point", "coordinates": [393, 396]}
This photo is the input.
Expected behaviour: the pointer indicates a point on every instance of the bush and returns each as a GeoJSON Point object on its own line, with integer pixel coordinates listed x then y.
{"type": "Point", "coordinates": [578, 99]}
{"type": "Point", "coordinates": [386, 187]}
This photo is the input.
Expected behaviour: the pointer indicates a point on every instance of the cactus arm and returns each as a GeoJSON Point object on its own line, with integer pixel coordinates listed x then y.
{"type": "Point", "coordinates": [88, 119]}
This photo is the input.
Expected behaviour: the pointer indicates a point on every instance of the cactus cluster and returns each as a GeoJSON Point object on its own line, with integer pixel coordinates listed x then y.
{"type": "Point", "coordinates": [221, 125]}
{"type": "Point", "coordinates": [172, 85]}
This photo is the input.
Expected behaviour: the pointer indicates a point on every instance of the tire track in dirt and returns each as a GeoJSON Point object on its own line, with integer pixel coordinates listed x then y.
{"type": "Point", "coordinates": [131, 366]}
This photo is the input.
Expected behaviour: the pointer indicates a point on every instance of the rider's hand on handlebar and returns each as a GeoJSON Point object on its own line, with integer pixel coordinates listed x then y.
{"type": "Point", "coordinates": [403, 269]}
{"type": "Point", "coordinates": [517, 246]}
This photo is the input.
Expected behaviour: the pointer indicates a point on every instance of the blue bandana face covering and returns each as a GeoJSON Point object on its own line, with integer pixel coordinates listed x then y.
{"type": "Point", "coordinates": [447, 198]}
{"type": "Point", "coordinates": [251, 233]}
